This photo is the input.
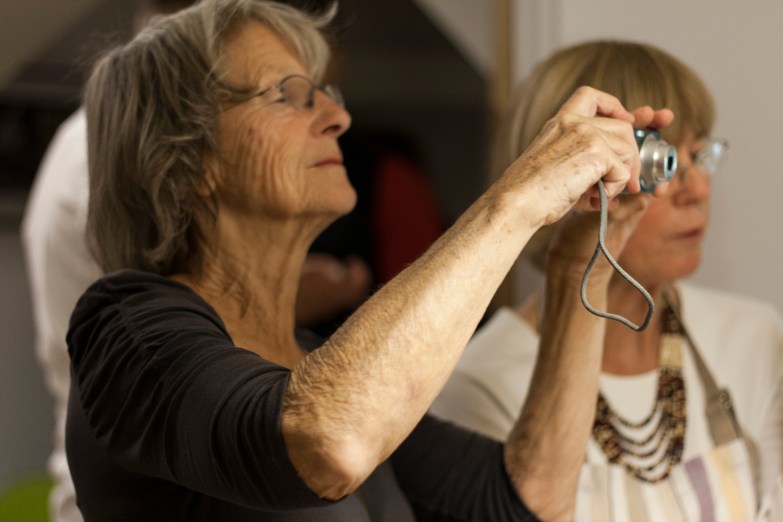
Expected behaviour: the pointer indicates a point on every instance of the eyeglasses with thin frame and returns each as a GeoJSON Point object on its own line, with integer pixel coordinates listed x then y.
{"type": "Point", "coordinates": [299, 92]}
{"type": "Point", "coordinates": [710, 157]}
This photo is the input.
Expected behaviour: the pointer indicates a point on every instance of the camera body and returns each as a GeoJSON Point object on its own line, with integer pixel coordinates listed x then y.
{"type": "Point", "coordinates": [659, 159]}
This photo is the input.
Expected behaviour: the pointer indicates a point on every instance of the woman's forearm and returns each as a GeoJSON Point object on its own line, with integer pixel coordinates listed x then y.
{"type": "Point", "coordinates": [546, 446]}
{"type": "Point", "coordinates": [351, 403]}
{"type": "Point", "coordinates": [370, 384]}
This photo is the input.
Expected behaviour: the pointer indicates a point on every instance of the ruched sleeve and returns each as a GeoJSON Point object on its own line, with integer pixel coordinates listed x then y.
{"type": "Point", "coordinates": [165, 393]}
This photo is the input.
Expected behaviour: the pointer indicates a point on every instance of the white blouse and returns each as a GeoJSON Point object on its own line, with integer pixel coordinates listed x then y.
{"type": "Point", "coordinates": [741, 341]}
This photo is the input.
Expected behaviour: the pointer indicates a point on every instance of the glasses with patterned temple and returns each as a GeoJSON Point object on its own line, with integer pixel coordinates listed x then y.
{"type": "Point", "coordinates": [299, 92]}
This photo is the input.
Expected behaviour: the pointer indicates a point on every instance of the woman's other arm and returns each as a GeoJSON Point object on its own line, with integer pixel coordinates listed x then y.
{"type": "Point", "coordinates": [547, 443]}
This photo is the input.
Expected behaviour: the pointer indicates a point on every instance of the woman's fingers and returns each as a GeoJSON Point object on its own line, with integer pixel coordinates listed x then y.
{"type": "Point", "coordinates": [647, 118]}
{"type": "Point", "coordinates": [589, 102]}
{"type": "Point", "coordinates": [577, 234]}
{"type": "Point", "coordinates": [589, 139]}
{"type": "Point", "coordinates": [623, 171]}
{"type": "Point", "coordinates": [661, 188]}
{"type": "Point", "coordinates": [611, 120]}
{"type": "Point", "coordinates": [605, 130]}
{"type": "Point", "coordinates": [628, 206]}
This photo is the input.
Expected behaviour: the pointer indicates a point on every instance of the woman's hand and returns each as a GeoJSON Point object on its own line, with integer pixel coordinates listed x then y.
{"type": "Point", "coordinates": [576, 235]}
{"type": "Point", "coordinates": [590, 138]}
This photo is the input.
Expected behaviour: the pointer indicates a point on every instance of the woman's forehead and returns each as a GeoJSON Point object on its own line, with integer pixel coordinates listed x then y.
{"type": "Point", "coordinates": [690, 138]}
{"type": "Point", "coordinates": [257, 52]}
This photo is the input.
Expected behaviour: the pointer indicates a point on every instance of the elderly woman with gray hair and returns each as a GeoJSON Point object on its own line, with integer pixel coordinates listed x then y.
{"type": "Point", "coordinates": [214, 163]}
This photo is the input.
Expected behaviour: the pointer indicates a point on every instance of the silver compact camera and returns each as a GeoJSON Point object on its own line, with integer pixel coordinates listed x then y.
{"type": "Point", "coordinates": [659, 159]}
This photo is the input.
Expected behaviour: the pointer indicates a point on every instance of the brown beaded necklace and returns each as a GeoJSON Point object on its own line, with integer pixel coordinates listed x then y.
{"type": "Point", "coordinates": [649, 449]}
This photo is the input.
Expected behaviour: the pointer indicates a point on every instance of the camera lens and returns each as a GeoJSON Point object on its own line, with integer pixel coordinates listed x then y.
{"type": "Point", "coordinates": [659, 159]}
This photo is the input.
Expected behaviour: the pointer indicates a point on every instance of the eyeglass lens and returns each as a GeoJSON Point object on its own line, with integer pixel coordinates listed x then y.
{"type": "Point", "coordinates": [300, 92]}
{"type": "Point", "coordinates": [710, 156]}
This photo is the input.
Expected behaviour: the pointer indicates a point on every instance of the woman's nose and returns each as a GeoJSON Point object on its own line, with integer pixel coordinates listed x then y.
{"type": "Point", "coordinates": [333, 118]}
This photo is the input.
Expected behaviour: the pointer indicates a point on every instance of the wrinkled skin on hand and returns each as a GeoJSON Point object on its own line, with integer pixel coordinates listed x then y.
{"type": "Point", "coordinates": [576, 235]}
{"type": "Point", "coordinates": [590, 138]}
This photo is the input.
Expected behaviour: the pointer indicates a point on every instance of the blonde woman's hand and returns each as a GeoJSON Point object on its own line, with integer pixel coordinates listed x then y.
{"type": "Point", "coordinates": [575, 236]}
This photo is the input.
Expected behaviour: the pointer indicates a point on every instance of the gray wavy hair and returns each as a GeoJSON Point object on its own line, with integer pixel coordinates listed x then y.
{"type": "Point", "coordinates": [152, 110]}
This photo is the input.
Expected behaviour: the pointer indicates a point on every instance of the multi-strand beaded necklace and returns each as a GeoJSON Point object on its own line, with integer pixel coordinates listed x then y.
{"type": "Point", "coordinates": [649, 449]}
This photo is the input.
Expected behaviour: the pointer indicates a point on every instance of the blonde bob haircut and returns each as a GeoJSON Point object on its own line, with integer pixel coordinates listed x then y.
{"type": "Point", "coordinates": [637, 74]}
{"type": "Point", "coordinates": [152, 112]}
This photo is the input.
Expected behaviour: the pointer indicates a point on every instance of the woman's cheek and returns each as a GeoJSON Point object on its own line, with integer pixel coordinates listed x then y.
{"type": "Point", "coordinates": [640, 253]}
{"type": "Point", "coordinates": [275, 176]}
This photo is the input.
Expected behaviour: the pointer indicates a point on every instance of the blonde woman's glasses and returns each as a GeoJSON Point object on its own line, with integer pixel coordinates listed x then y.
{"type": "Point", "coordinates": [707, 160]}
{"type": "Point", "coordinates": [710, 157]}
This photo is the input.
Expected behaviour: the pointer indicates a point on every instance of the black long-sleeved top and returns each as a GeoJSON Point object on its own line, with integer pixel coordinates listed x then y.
{"type": "Point", "coordinates": [169, 420]}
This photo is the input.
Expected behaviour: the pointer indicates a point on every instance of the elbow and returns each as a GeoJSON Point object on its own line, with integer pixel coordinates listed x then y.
{"type": "Point", "coordinates": [341, 472]}
{"type": "Point", "coordinates": [331, 468]}
{"type": "Point", "coordinates": [547, 508]}
{"type": "Point", "coordinates": [552, 497]}
{"type": "Point", "coordinates": [332, 449]}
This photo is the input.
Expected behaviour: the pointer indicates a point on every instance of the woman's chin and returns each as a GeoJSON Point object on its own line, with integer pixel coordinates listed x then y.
{"type": "Point", "coordinates": [334, 208]}
{"type": "Point", "coordinates": [685, 268]}
{"type": "Point", "coordinates": [345, 201]}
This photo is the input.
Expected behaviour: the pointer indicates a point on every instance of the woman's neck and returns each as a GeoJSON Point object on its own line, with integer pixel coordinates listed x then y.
{"type": "Point", "coordinates": [626, 352]}
{"type": "Point", "coordinates": [250, 275]}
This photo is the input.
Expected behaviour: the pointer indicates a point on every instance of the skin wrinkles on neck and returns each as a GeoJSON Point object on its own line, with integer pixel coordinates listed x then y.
{"type": "Point", "coordinates": [250, 275]}
{"type": "Point", "coordinates": [270, 206]}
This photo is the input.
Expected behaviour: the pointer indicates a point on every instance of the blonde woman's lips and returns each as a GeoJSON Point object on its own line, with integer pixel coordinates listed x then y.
{"type": "Point", "coordinates": [692, 234]}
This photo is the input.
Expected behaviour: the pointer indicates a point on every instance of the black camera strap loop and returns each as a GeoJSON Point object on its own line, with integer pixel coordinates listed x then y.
{"type": "Point", "coordinates": [601, 247]}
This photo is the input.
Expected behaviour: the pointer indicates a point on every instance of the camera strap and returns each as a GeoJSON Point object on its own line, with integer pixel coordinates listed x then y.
{"type": "Point", "coordinates": [601, 248]}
